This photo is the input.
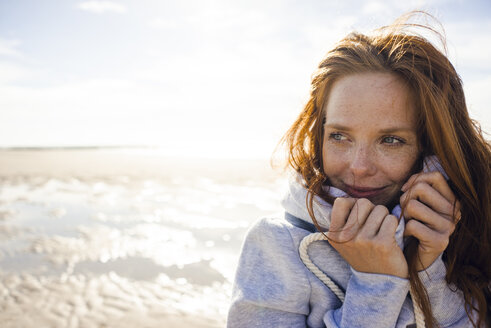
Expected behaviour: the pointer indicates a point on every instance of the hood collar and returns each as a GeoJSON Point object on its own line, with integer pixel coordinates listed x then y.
{"type": "Point", "coordinates": [295, 199]}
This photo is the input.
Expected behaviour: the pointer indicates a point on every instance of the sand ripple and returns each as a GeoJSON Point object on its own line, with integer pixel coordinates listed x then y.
{"type": "Point", "coordinates": [123, 251]}
{"type": "Point", "coordinates": [107, 300]}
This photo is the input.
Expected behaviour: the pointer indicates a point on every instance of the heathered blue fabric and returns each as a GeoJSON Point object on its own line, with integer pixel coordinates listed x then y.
{"type": "Point", "coordinates": [273, 288]}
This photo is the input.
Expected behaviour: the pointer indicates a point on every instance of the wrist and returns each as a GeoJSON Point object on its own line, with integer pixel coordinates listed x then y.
{"type": "Point", "coordinates": [425, 261]}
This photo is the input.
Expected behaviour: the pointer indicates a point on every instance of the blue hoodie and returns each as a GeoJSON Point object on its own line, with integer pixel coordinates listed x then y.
{"type": "Point", "coordinates": [273, 288]}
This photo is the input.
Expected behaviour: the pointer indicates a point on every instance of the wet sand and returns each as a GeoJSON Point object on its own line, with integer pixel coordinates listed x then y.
{"type": "Point", "coordinates": [124, 239]}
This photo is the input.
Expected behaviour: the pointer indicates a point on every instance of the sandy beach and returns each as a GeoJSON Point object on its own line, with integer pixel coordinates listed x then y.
{"type": "Point", "coordinates": [124, 238]}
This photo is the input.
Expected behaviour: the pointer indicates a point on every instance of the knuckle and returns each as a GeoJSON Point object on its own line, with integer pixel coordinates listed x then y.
{"type": "Point", "coordinates": [392, 219]}
{"type": "Point", "coordinates": [345, 235]}
{"type": "Point", "coordinates": [381, 209]}
{"type": "Point", "coordinates": [436, 175]}
{"type": "Point", "coordinates": [450, 208]}
{"type": "Point", "coordinates": [363, 202]}
{"type": "Point", "coordinates": [343, 201]}
{"type": "Point", "coordinates": [410, 225]}
{"type": "Point", "coordinates": [442, 243]}
{"type": "Point", "coordinates": [449, 212]}
{"type": "Point", "coordinates": [421, 187]}
{"type": "Point", "coordinates": [411, 205]}
{"type": "Point", "coordinates": [416, 186]}
{"type": "Point", "coordinates": [450, 228]}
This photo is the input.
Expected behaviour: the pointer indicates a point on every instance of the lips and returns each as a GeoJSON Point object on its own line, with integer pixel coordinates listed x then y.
{"type": "Point", "coordinates": [363, 192]}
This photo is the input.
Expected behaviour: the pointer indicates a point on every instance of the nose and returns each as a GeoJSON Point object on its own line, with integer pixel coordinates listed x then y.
{"type": "Point", "coordinates": [363, 161]}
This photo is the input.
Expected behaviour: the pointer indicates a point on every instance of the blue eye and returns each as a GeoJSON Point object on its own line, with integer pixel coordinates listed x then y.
{"type": "Point", "coordinates": [336, 136]}
{"type": "Point", "coordinates": [392, 140]}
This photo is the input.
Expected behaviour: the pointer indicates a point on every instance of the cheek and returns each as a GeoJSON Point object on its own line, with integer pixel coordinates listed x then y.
{"type": "Point", "coordinates": [399, 168]}
{"type": "Point", "coordinates": [334, 160]}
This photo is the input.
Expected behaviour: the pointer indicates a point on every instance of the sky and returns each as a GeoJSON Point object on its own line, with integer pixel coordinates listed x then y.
{"type": "Point", "coordinates": [196, 78]}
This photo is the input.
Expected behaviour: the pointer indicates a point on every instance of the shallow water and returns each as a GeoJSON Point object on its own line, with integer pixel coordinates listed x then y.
{"type": "Point", "coordinates": [124, 250]}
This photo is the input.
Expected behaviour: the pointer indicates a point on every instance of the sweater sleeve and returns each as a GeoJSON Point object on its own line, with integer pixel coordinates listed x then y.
{"type": "Point", "coordinates": [371, 300]}
{"type": "Point", "coordinates": [270, 289]}
{"type": "Point", "coordinates": [447, 301]}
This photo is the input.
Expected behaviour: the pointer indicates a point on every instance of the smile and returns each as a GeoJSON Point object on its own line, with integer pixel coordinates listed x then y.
{"type": "Point", "coordinates": [363, 192]}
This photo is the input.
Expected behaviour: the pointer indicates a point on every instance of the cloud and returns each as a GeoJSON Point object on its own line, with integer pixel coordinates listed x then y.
{"type": "Point", "coordinates": [101, 7]}
{"type": "Point", "coordinates": [162, 24]}
{"type": "Point", "coordinates": [245, 69]}
{"type": "Point", "coordinates": [376, 7]}
{"type": "Point", "coordinates": [478, 99]}
{"type": "Point", "coordinates": [155, 108]}
{"type": "Point", "coordinates": [91, 111]}
{"type": "Point", "coordinates": [469, 44]}
{"type": "Point", "coordinates": [11, 73]}
{"type": "Point", "coordinates": [9, 48]}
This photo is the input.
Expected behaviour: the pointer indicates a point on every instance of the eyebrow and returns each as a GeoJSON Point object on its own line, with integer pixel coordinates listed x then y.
{"type": "Point", "coordinates": [386, 130]}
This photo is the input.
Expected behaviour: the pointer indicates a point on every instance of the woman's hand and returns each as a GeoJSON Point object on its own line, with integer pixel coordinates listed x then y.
{"type": "Point", "coordinates": [428, 204]}
{"type": "Point", "coordinates": [364, 235]}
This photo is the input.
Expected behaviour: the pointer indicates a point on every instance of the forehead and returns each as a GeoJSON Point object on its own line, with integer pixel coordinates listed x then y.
{"type": "Point", "coordinates": [378, 100]}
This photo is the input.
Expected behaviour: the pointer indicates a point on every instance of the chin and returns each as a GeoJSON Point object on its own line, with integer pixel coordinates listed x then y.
{"type": "Point", "coordinates": [389, 201]}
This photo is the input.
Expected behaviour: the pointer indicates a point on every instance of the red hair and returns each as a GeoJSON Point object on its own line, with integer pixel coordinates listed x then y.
{"type": "Point", "coordinates": [445, 130]}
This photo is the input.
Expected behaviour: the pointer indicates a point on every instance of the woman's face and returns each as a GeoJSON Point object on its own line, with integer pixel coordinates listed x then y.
{"type": "Point", "coordinates": [370, 141]}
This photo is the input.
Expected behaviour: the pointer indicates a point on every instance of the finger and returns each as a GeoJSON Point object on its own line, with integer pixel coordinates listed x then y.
{"type": "Point", "coordinates": [457, 216]}
{"type": "Point", "coordinates": [437, 181]}
{"type": "Point", "coordinates": [340, 211]}
{"type": "Point", "coordinates": [426, 236]}
{"type": "Point", "coordinates": [374, 220]}
{"type": "Point", "coordinates": [425, 193]}
{"type": "Point", "coordinates": [357, 216]}
{"type": "Point", "coordinates": [434, 179]}
{"type": "Point", "coordinates": [359, 213]}
{"type": "Point", "coordinates": [389, 226]}
{"type": "Point", "coordinates": [415, 209]}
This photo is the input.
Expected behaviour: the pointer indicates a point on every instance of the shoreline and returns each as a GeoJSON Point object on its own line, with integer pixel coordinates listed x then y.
{"type": "Point", "coordinates": [91, 162]}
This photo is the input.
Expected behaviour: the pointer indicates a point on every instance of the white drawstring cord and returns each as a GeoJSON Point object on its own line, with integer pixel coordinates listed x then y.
{"type": "Point", "coordinates": [418, 313]}
{"type": "Point", "coordinates": [304, 244]}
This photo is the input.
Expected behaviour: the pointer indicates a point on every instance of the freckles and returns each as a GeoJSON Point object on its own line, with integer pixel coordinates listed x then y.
{"type": "Point", "coordinates": [335, 156]}
{"type": "Point", "coordinates": [398, 166]}
{"type": "Point", "coordinates": [334, 160]}
{"type": "Point", "coordinates": [334, 149]}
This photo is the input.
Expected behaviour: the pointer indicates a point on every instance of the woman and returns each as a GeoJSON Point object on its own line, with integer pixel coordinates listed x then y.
{"type": "Point", "coordinates": [386, 124]}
